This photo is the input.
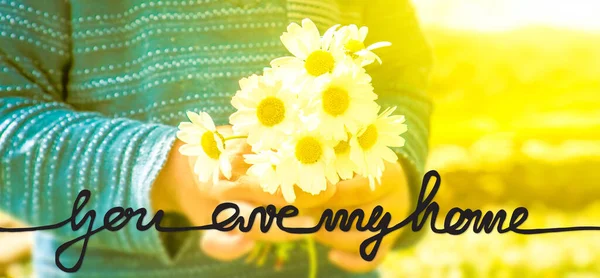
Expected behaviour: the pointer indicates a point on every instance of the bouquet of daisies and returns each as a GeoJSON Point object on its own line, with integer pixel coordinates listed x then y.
{"type": "Point", "coordinates": [310, 118]}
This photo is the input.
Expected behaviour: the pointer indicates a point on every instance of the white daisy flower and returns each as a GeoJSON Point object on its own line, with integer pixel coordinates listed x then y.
{"type": "Point", "coordinates": [370, 147]}
{"type": "Point", "coordinates": [313, 56]}
{"type": "Point", "coordinates": [266, 112]}
{"type": "Point", "coordinates": [306, 162]}
{"type": "Point", "coordinates": [343, 101]}
{"type": "Point", "coordinates": [352, 40]}
{"type": "Point", "coordinates": [263, 166]}
{"type": "Point", "coordinates": [248, 84]}
{"type": "Point", "coordinates": [344, 166]}
{"type": "Point", "coordinates": [204, 142]}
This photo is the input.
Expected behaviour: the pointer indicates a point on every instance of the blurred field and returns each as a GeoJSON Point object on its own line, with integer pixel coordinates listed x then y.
{"type": "Point", "coordinates": [516, 123]}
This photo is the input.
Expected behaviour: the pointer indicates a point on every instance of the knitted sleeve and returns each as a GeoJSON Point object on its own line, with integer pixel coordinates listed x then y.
{"type": "Point", "coordinates": [401, 81]}
{"type": "Point", "coordinates": [49, 152]}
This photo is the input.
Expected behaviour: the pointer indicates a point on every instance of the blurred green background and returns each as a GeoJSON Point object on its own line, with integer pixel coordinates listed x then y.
{"type": "Point", "coordinates": [516, 123]}
{"type": "Point", "coordinates": [516, 88]}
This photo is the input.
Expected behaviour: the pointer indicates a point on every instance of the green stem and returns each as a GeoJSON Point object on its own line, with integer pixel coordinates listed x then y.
{"type": "Point", "coordinates": [265, 254]}
{"type": "Point", "coordinates": [254, 253]}
{"type": "Point", "coordinates": [234, 137]}
{"type": "Point", "coordinates": [312, 257]}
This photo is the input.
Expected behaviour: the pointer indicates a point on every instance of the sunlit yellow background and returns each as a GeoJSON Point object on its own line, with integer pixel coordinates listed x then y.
{"type": "Point", "coordinates": [516, 87]}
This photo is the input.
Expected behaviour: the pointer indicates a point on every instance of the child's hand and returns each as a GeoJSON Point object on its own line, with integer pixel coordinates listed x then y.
{"type": "Point", "coordinates": [246, 192]}
{"type": "Point", "coordinates": [391, 194]}
{"type": "Point", "coordinates": [178, 189]}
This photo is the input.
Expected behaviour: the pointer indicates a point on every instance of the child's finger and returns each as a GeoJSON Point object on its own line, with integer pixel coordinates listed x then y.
{"type": "Point", "coordinates": [396, 204]}
{"type": "Point", "coordinates": [248, 188]}
{"type": "Point", "coordinates": [350, 241]}
{"type": "Point", "coordinates": [225, 246]}
{"type": "Point", "coordinates": [356, 191]}
{"type": "Point", "coordinates": [274, 234]}
{"type": "Point", "coordinates": [307, 200]}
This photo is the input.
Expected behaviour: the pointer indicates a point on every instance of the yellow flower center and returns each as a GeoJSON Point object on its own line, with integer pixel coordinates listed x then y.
{"type": "Point", "coordinates": [354, 46]}
{"type": "Point", "coordinates": [319, 62]}
{"type": "Point", "coordinates": [270, 111]}
{"type": "Point", "coordinates": [335, 101]}
{"type": "Point", "coordinates": [342, 147]}
{"type": "Point", "coordinates": [209, 145]}
{"type": "Point", "coordinates": [368, 138]}
{"type": "Point", "coordinates": [308, 150]}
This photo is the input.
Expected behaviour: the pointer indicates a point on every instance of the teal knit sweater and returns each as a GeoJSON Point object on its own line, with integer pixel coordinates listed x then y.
{"type": "Point", "coordinates": [90, 92]}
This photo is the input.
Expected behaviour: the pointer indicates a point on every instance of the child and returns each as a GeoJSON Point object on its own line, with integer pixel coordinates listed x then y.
{"type": "Point", "coordinates": [90, 92]}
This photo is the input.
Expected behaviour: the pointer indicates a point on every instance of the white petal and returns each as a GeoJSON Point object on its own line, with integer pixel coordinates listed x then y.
{"type": "Point", "coordinates": [389, 155]}
{"type": "Point", "coordinates": [393, 141]}
{"type": "Point", "coordinates": [191, 150]}
{"type": "Point", "coordinates": [304, 179]}
{"type": "Point", "coordinates": [316, 175]}
{"type": "Point", "coordinates": [368, 57]}
{"type": "Point", "coordinates": [215, 175]}
{"type": "Point", "coordinates": [270, 185]}
{"type": "Point", "coordinates": [371, 183]}
{"type": "Point", "coordinates": [225, 166]}
{"type": "Point", "coordinates": [286, 61]}
{"type": "Point", "coordinates": [332, 175]}
{"type": "Point", "coordinates": [320, 183]}
{"type": "Point", "coordinates": [387, 112]}
{"type": "Point", "coordinates": [243, 82]}
{"type": "Point", "coordinates": [345, 167]}
{"type": "Point", "coordinates": [200, 164]}
{"type": "Point", "coordinates": [313, 36]}
{"type": "Point", "coordinates": [328, 36]}
{"type": "Point", "coordinates": [207, 121]}
{"type": "Point", "coordinates": [220, 143]}
{"type": "Point", "coordinates": [203, 171]}
{"type": "Point", "coordinates": [397, 121]}
{"type": "Point", "coordinates": [250, 102]}
{"type": "Point", "coordinates": [195, 118]}
{"type": "Point", "coordinates": [292, 47]}
{"type": "Point", "coordinates": [291, 40]}
{"type": "Point", "coordinates": [247, 82]}
{"type": "Point", "coordinates": [189, 138]}
{"type": "Point", "coordinates": [362, 33]}
{"type": "Point", "coordinates": [235, 100]}
{"type": "Point", "coordinates": [243, 117]}
{"type": "Point", "coordinates": [288, 193]}
{"type": "Point", "coordinates": [338, 132]}
{"type": "Point", "coordinates": [254, 140]}
{"type": "Point", "coordinates": [345, 173]}
{"type": "Point", "coordinates": [378, 45]}
{"type": "Point", "coordinates": [189, 127]}
{"type": "Point", "coordinates": [353, 29]}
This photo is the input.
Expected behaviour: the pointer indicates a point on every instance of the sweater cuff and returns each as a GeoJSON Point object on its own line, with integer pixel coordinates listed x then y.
{"type": "Point", "coordinates": [413, 154]}
{"type": "Point", "coordinates": [414, 177]}
{"type": "Point", "coordinates": [150, 159]}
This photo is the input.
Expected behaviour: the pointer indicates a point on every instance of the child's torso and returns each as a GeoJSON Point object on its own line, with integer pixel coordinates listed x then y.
{"type": "Point", "coordinates": [152, 60]}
